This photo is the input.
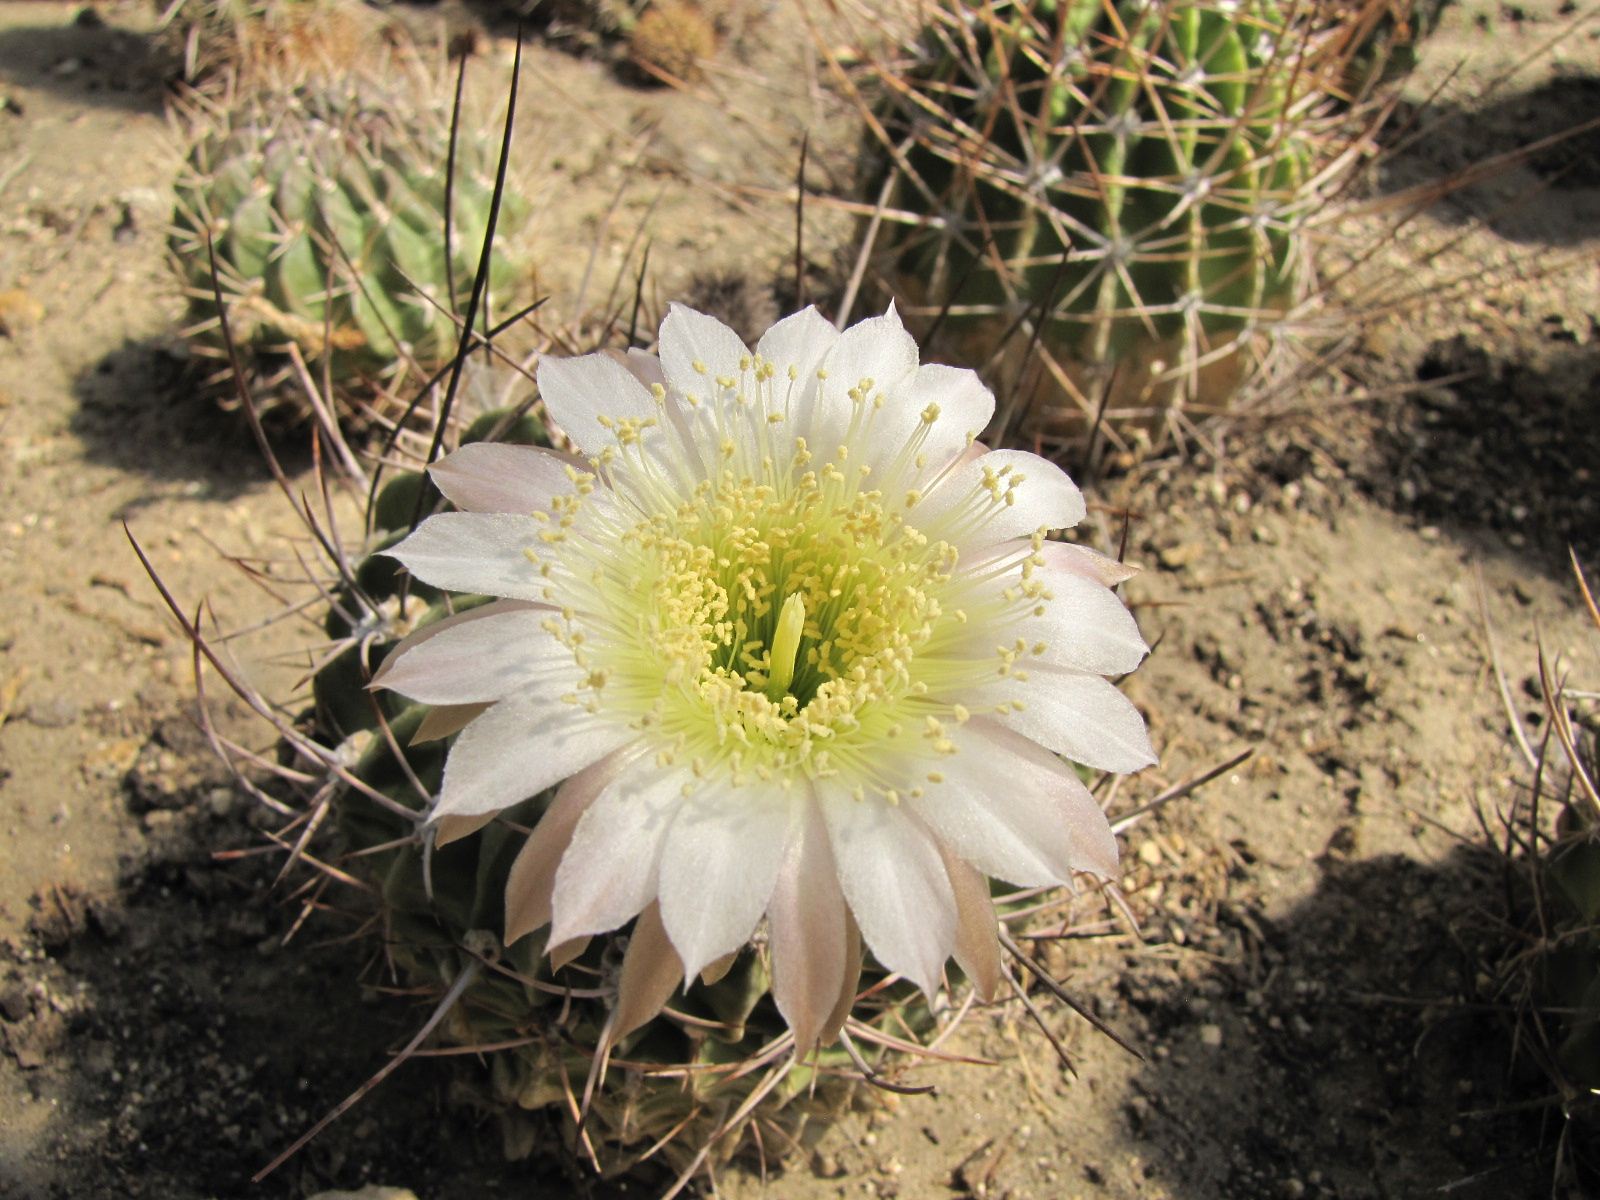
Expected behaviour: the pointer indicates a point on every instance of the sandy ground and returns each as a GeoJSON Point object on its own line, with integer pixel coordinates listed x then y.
{"type": "Point", "coordinates": [1318, 923]}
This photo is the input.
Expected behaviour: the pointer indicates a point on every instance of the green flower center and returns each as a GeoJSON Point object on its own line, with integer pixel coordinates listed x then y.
{"type": "Point", "coordinates": [776, 616]}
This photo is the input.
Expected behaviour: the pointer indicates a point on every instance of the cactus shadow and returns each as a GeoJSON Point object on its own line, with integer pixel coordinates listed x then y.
{"type": "Point", "coordinates": [199, 1046]}
{"type": "Point", "coordinates": [1550, 198]}
{"type": "Point", "coordinates": [140, 409]}
{"type": "Point", "coordinates": [1512, 450]}
{"type": "Point", "coordinates": [1355, 1060]}
{"type": "Point", "coordinates": [85, 60]}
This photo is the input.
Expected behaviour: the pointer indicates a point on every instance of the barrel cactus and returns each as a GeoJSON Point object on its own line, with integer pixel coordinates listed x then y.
{"type": "Point", "coordinates": [1104, 204]}
{"type": "Point", "coordinates": [326, 214]}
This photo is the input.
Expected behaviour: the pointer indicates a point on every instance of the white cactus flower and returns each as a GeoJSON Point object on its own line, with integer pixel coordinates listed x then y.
{"type": "Point", "coordinates": [795, 648]}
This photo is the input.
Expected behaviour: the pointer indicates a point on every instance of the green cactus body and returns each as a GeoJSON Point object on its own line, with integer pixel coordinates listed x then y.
{"type": "Point", "coordinates": [679, 1078]}
{"type": "Point", "coordinates": [327, 219]}
{"type": "Point", "coordinates": [1129, 180]}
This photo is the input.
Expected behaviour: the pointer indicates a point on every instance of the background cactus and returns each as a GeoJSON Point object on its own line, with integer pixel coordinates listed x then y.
{"type": "Point", "coordinates": [672, 38]}
{"type": "Point", "coordinates": [326, 214]}
{"type": "Point", "coordinates": [282, 43]}
{"type": "Point", "coordinates": [1105, 204]}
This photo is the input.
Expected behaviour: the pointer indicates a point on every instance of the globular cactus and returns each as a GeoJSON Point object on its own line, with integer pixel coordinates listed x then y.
{"type": "Point", "coordinates": [1104, 204]}
{"type": "Point", "coordinates": [276, 43]}
{"type": "Point", "coordinates": [327, 218]}
{"type": "Point", "coordinates": [687, 1082]}
{"type": "Point", "coordinates": [671, 41]}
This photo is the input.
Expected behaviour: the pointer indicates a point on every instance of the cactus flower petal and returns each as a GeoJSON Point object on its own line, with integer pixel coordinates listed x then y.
{"type": "Point", "coordinates": [518, 748]}
{"type": "Point", "coordinates": [1077, 715]}
{"type": "Point", "coordinates": [489, 477]}
{"type": "Point", "coordinates": [483, 553]}
{"type": "Point", "coordinates": [1014, 832]}
{"type": "Point", "coordinates": [894, 880]}
{"type": "Point", "coordinates": [808, 923]}
{"type": "Point", "coordinates": [484, 657]}
{"type": "Point", "coordinates": [718, 869]}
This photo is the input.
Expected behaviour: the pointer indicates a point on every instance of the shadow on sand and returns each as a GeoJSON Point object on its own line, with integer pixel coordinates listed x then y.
{"type": "Point", "coordinates": [85, 60]}
{"type": "Point", "coordinates": [141, 409]}
{"type": "Point", "coordinates": [1512, 449]}
{"type": "Point", "coordinates": [1442, 143]}
{"type": "Point", "coordinates": [197, 1046]}
{"type": "Point", "coordinates": [1355, 1060]}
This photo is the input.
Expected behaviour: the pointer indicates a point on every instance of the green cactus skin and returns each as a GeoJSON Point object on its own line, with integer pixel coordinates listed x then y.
{"type": "Point", "coordinates": [327, 218]}
{"type": "Point", "coordinates": [682, 1074]}
{"type": "Point", "coordinates": [1131, 179]}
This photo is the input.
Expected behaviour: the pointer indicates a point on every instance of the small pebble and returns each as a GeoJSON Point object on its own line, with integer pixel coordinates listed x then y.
{"type": "Point", "coordinates": [53, 714]}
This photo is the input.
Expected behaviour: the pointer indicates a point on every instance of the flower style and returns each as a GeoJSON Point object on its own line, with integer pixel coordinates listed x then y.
{"type": "Point", "coordinates": [798, 648]}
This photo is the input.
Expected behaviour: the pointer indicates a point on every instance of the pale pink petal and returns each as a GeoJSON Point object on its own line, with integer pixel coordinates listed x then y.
{"type": "Point", "coordinates": [877, 349]}
{"type": "Point", "coordinates": [533, 872]}
{"type": "Point", "coordinates": [493, 477]}
{"type": "Point", "coordinates": [578, 392]}
{"type": "Point", "coordinates": [453, 829]}
{"type": "Point", "coordinates": [807, 936]}
{"type": "Point", "coordinates": [977, 949]}
{"type": "Point", "coordinates": [696, 351]}
{"type": "Point", "coordinates": [1081, 716]}
{"type": "Point", "coordinates": [441, 720]}
{"type": "Point", "coordinates": [719, 866]}
{"type": "Point", "coordinates": [1084, 626]}
{"type": "Point", "coordinates": [651, 972]}
{"type": "Point", "coordinates": [477, 553]}
{"type": "Point", "coordinates": [496, 655]}
{"type": "Point", "coordinates": [714, 972]}
{"type": "Point", "coordinates": [564, 952]}
{"type": "Point", "coordinates": [849, 983]}
{"type": "Point", "coordinates": [520, 747]}
{"type": "Point", "coordinates": [641, 364]}
{"type": "Point", "coordinates": [1090, 564]}
{"type": "Point", "coordinates": [962, 510]}
{"type": "Point", "coordinates": [894, 881]}
{"type": "Point", "coordinates": [609, 872]}
{"type": "Point", "coordinates": [994, 809]}
{"type": "Point", "coordinates": [434, 628]}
